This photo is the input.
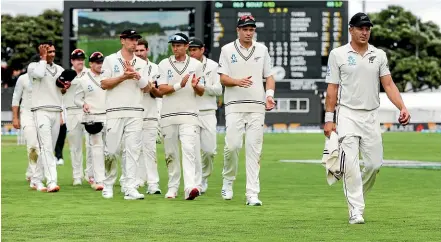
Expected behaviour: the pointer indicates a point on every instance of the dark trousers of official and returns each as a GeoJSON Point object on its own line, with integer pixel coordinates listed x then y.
{"type": "Point", "coordinates": [60, 142]}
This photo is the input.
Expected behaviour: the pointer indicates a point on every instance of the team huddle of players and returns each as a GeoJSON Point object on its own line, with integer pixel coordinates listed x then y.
{"type": "Point", "coordinates": [124, 100]}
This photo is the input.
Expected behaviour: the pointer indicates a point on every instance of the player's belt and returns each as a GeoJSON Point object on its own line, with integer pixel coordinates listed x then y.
{"type": "Point", "coordinates": [245, 102]}
{"type": "Point", "coordinates": [58, 108]}
{"type": "Point", "coordinates": [150, 119]}
{"type": "Point", "coordinates": [125, 109]}
{"type": "Point", "coordinates": [73, 107]}
{"type": "Point", "coordinates": [178, 114]}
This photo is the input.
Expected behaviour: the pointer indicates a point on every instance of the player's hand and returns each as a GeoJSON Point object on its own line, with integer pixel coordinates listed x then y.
{"type": "Point", "coordinates": [43, 51]}
{"type": "Point", "coordinates": [129, 67]}
{"type": "Point", "coordinates": [130, 75]}
{"type": "Point", "coordinates": [184, 80]}
{"type": "Point", "coordinates": [148, 88]}
{"type": "Point", "coordinates": [195, 81]}
{"type": "Point", "coordinates": [66, 86]}
{"type": "Point", "coordinates": [404, 118]}
{"type": "Point", "coordinates": [61, 119]}
{"type": "Point", "coordinates": [86, 108]}
{"type": "Point", "coordinates": [270, 103]}
{"type": "Point", "coordinates": [329, 127]}
{"type": "Point", "coordinates": [16, 123]}
{"type": "Point", "coordinates": [245, 82]}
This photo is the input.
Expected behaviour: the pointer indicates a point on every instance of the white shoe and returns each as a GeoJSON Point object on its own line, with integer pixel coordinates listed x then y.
{"type": "Point", "coordinates": [192, 194]}
{"type": "Point", "coordinates": [356, 219]}
{"type": "Point", "coordinates": [77, 182]}
{"type": "Point", "coordinates": [60, 162]}
{"type": "Point", "coordinates": [253, 201]}
{"type": "Point", "coordinates": [171, 193]}
{"type": "Point", "coordinates": [133, 194]}
{"type": "Point", "coordinates": [204, 186]}
{"type": "Point", "coordinates": [107, 191]}
{"type": "Point", "coordinates": [153, 189]}
{"type": "Point", "coordinates": [227, 191]}
{"type": "Point", "coordinates": [39, 186]}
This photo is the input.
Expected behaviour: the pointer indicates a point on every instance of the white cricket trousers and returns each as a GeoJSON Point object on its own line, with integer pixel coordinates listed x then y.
{"type": "Point", "coordinates": [47, 124]}
{"type": "Point", "coordinates": [187, 135]}
{"type": "Point", "coordinates": [30, 135]}
{"type": "Point", "coordinates": [127, 132]}
{"type": "Point", "coordinates": [205, 146]}
{"type": "Point", "coordinates": [359, 132]}
{"type": "Point", "coordinates": [238, 124]}
{"type": "Point", "coordinates": [96, 143]}
{"type": "Point", "coordinates": [148, 167]}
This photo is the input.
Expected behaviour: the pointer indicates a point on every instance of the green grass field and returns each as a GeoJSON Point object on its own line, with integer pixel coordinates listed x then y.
{"type": "Point", "coordinates": [298, 205]}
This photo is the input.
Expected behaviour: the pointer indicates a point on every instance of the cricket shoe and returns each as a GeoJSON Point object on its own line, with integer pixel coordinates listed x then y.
{"type": "Point", "coordinates": [204, 186]}
{"type": "Point", "coordinates": [194, 193]}
{"type": "Point", "coordinates": [227, 191]}
{"type": "Point", "coordinates": [356, 219]}
{"type": "Point", "coordinates": [153, 189]}
{"type": "Point", "coordinates": [107, 191]}
{"type": "Point", "coordinates": [253, 201]}
{"type": "Point", "coordinates": [38, 186]}
{"type": "Point", "coordinates": [133, 194]}
{"type": "Point", "coordinates": [172, 193]}
{"type": "Point", "coordinates": [53, 188]}
{"type": "Point", "coordinates": [77, 182]}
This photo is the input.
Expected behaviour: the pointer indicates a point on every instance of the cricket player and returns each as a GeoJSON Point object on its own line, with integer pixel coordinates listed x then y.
{"type": "Point", "coordinates": [75, 129]}
{"type": "Point", "coordinates": [148, 167]}
{"type": "Point", "coordinates": [243, 64]}
{"type": "Point", "coordinates": [207, 114]}
{"type": "Point", "coordinates": [92, 98]}
{"type": "Point", "coordinates": [22, 118]}
{"type": "Point", "coordinates": [46, 108]}
{"type": "Point", "coordinates": [124, 75]}
{"type": "Point", "coordinates": [178, 82]}
{"type": "Point", "coordinates": [355, 72]}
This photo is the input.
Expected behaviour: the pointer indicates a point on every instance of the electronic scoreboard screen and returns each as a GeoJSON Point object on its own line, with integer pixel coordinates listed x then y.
{"type": "Point", "coordinates": [299, 34]}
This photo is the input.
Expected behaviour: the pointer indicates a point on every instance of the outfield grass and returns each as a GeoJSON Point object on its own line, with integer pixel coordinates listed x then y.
{"type": "Point", "coordinates": [298, 205]}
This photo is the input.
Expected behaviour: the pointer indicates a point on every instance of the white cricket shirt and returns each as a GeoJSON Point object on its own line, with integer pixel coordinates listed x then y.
{"type": "Point", "coordinates": [68, 97]}
{"type": "Point", "coordinates": [148, 102]}
{"type": "Point", "coordinates": [212, 85]}
{"type": "Point", "coordinates": [239, 62]}
{"type": "Point", "coordinates": [23, 92]}
{"type": "Point", "coordinates": [358, 76]}
{"type": "Point", "coordinates": [45, 94]}
{"type": "Point", "coordinates": [125, 99]}
{"type": "Point", "coordinates": [180, 107]}
{"type": "Point", "coordinates": [89, 91]}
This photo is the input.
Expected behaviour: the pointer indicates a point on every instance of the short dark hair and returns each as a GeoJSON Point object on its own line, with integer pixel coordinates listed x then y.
{"type": "Point", "coordinates": [48, 42]}
{"type": "Point", "coordinates": [143, 42]}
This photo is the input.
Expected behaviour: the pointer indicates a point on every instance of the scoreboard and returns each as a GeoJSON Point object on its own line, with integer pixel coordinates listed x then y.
{"type": "Point", "coordinates": [299, 34]}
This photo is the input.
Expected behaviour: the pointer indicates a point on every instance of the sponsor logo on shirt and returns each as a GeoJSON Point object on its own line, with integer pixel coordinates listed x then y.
{"type": "Point", "coordinates": [116, 68]}
{"type": "Point", "coordinates": [169, 74]}
{"type": "Point", "coordinates": [351, 61]}
{"type": "Point", "coordinates": [233, 59]}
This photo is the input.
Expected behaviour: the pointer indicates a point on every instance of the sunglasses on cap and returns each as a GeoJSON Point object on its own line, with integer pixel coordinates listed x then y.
{"type": "Point", "coordinates": [245, 17]}
{"type": "Point", "coordinates": [177, 38]}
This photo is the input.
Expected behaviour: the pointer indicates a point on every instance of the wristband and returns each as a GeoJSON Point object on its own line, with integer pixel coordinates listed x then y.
{"type": "Point", "coordinates": [177, 86]}
{"type": "Point", "coordinates": [329, 117]}
{"type": "Point", "coordinates": [270, 93]}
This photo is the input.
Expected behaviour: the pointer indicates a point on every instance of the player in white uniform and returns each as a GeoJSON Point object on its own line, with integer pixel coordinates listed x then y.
{"type": "Point", "coordinates": [355, 72]}
{"type": "Point", "coordinates": [124, 75]}
{"type": "Point", "coordinates": [92, 98]}
{"type": "Point", "coordinates": [148, 167]}
{"type": "Point", "coordinates": [207, 114]}
{"type": "Point", "coordinates": [75, 129]}
{"type": "Point", "coordinates": [178, 82]}
{"type": "Point", "coordinates": [22, 118]}
{"type": "Point", "coordinates": [242, 65]}
{"type": "Point", "coordinates": [46, 108]}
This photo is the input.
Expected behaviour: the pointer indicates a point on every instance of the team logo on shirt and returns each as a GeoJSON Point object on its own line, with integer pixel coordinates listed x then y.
{"type": "Point", "coordinates": [371, 59]}
{"type": "Point", "coordinates": [138, 69]}
{"type": "Point", "coordinates": [257, 58]}
{"type": "Point", "coordinates": [233, 58]}
{"type": "Point", "coordinates": [169, 74]}
{"type": "Point", "coordinates": [351, 61]}
{"type": "Point", "coordinates": [208, 73]}
{"type": "Point", "coordinates": [116, 68]}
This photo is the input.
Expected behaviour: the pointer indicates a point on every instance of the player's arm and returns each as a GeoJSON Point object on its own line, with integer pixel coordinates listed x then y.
{"type": "Point", "coordinates": [198, 88]}
{"type": "Point", "coordinates": [109, 82]}
{"type": "Point", "coordinates": [333, 80]}
{"type": "Point", "coordinates": [16, 97]}
{"type": "Point", "coordinates": [155, 89]}
{"type": "Point", "coordinates": [270, 87]}
{"type": "Point", "coordinates": [214, 87]}
{"type": "Point", "coordinates": [392, 92]}
{"type": "Point", "coordinates": [79, 96]}
{"type": "Point", "coordinates": [145, 78]}
{"type": "Point", "coordinates": [36, 70]}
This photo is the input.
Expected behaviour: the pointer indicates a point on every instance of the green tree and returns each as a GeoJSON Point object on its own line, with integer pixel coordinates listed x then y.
{"type": "Point", "coordinates": [413, 47]}
{"type": "Point", "coordinates": [21, 35]}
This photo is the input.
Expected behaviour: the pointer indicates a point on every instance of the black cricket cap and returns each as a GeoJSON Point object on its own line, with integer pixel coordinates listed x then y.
{"type": "Point", "coordinates": [195, 42]}
{"type": "Point", "coordinates": [130, 34]}
{"type": "Point", "coordinates": [97, 57]}
{"type": "Point", "coordinates": [66, 76]}
{"type": "Point", "coordinates": [78, 54]}
{"type": "Point", "coordinates": [179, 38]}
{"type": "Point", "coordinates": [246, 21]}
{"type": "Point", "coordinates": [359, 20]}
